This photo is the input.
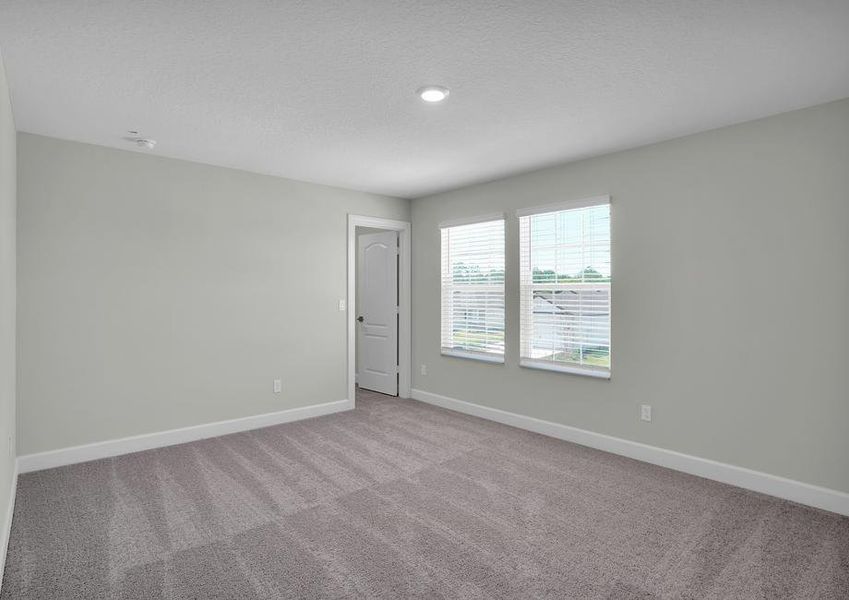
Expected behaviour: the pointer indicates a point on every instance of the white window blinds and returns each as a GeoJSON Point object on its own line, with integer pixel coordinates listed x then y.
{"type": "Point", "coordinates": [473, 290]}
{"type": "Point", "coordinates": [565, 287]}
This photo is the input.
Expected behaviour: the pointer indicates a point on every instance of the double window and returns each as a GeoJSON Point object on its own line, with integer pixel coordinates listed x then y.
{"type": "Point", "coordinates": [473, 289]}
{"type": "Point", "coordinates": [564, 276]}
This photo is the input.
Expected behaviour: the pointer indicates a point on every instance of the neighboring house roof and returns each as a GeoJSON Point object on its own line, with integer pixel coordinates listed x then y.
{"type": "Point", "coordinates": [559, 301]}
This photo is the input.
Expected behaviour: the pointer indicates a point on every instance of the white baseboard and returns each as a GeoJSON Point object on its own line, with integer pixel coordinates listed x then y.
{"type": "Point", "coordinates": [788, 489]}
{"type": "Point", "coordinates": [6, 531]}
{"type": "Point", "coordinates": [77, 454]}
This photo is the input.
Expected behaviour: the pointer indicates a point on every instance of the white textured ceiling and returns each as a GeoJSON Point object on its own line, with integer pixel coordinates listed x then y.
{"type": "Point", "coordinates": [323, 91]}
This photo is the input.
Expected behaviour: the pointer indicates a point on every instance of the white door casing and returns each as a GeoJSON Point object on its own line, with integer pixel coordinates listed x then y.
{"type": "Point", "coordinates": [377, 291]}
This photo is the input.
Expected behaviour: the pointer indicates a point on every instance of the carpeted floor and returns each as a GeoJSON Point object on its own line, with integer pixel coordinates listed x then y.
{"type": "Point", "coordinates": [399, 499]}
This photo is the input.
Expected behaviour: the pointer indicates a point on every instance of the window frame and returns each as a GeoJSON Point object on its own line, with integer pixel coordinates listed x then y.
{"type": "Point", "coordinates": [526, 307]}
{"type": "Point", "coordinates": [444, 312]}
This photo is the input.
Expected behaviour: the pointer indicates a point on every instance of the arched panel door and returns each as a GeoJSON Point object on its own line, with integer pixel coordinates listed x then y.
{"type": "Point", "coordinates": [377, 308]}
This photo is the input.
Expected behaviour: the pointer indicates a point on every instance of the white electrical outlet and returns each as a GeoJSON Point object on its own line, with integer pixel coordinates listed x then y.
{"type": "Point", "coordinates": [278, 386]}
{"type": "Point", "coordinates": [424, 369]}
{"type": "Point", "coordinates": [341, 305]}
{"type": "Point", "coordinates": [645, 412]}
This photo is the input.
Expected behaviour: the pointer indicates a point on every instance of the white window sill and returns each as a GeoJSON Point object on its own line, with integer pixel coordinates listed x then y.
{"type": "Point", "coordinates": [480, 356]}
{"type": "Point", "coordinates": [564, 368]}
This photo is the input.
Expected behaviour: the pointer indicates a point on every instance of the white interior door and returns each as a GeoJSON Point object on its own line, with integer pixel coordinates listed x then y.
{"type": "Point", "coordinates": [377, 312]}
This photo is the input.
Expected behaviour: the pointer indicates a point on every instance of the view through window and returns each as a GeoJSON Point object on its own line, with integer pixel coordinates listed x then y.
{"type": "Point", "coordinates": [565, 288]}
{"type": "Point", "coordinates": [473, 290]}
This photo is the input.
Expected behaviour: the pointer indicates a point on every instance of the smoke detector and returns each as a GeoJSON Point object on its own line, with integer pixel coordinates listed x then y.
{"type": "Point", "coordinates": [134, 136]}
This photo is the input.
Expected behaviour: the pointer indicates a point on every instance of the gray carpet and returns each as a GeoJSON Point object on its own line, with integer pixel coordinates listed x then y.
{"type": "Point", "coordinates": [399, 499]}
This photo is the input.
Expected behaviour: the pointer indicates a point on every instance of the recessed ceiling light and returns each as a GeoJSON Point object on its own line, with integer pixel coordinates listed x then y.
{"type": "Point", "coordinates": [433, 93]}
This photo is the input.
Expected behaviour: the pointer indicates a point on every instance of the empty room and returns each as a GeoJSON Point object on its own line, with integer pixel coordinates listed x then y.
{"type": "Point", "coordinates": [424, 299]}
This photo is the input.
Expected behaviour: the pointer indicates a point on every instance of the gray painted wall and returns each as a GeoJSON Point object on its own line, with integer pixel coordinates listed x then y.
{"type": "Point", "coordinates": [156, 293]}
{"type": "Point", "coordinates": [730, 296]}
{"type": "Point", "coordinates": [7, 299]}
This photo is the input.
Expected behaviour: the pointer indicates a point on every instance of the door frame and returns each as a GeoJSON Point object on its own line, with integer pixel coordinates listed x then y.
{"type": "Point", "coordinates": [405, 281]}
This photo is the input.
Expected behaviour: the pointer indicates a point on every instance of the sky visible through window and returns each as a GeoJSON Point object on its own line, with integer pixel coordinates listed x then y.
{"type": "Point", "coordinates": [570, 245]}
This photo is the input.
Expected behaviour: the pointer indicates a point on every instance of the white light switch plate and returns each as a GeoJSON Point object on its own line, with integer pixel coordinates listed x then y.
{"type": "Point", "coordinates": [645, 412]}
{"type": "Point", "coordinates": [341, 305]}
{"type": "Point", "coordinates": [278, 386]}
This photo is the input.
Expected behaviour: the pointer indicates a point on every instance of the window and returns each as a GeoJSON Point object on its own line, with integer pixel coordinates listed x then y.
{"type": "Point", "coordinates": [565, 287]}
{"type": "Point", "coordinates": [473, 289]}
